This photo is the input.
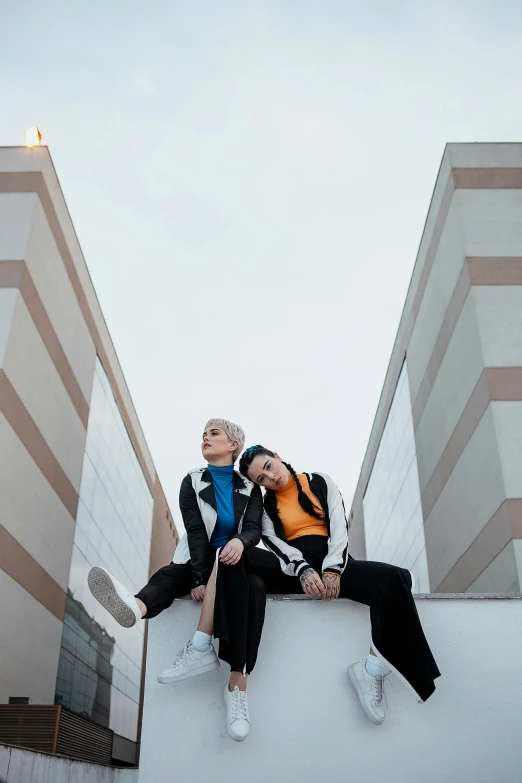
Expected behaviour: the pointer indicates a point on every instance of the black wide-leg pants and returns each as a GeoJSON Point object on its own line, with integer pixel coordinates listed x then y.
{"type": "Point", "coordinates": [239, 611]}
{"type": "Point", "coordinates": [172, 581]}
{"type": "Point", "coordinates": [239, 614]}
{"type": "Point", "coordinates": [396, 629]}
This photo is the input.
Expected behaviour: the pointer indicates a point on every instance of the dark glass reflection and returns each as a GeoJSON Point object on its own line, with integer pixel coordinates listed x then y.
{"type": "Point", "coordinates": [84, 671]}
{"type": "Point", "coordinates": [99, 671]}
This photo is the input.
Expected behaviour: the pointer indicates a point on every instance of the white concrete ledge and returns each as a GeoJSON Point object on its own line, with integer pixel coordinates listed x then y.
{"type": "Point", "coordinates": [418, 596]}
{"type": "Point", "coordinates": [307, 725]}
{"type": "Point", "coordinates": [18, 765]}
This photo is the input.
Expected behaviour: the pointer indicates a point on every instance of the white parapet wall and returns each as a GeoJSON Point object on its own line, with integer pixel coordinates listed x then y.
{"type": "Point", "coordinates": [24, 766]}
{"type": "Point", "coordinates": [307, 725]}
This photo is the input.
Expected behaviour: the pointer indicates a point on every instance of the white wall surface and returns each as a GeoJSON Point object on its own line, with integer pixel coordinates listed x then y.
{"type": "Point", "coordinates": [8, 298]}
{"type": "Point", "coordinates": [517, 549]}
{"type": "Point", "coordinates": [31, 510]}
{"type": "Point", "coordinates": [508, 425]}
{"type": "Point", "coordinates": [501, 574]}
{"type": "Point", "coordinates": [492, 155]}
{"type": "Point", "coordinates": [23, 766]}
{"type": "Point", "coordinates": [491, 221]}
{"type": "Point", "coordinates": [473, 493]}
{"type": "Point", "coordinates": [32, 372]}
{"type": "Point", "coordinates": [459, 372]}
{"type": "Point", "coordinates": [16, 211]}
{"type": "Point", "coordinates": [54, 287]}
{"type": "Point", "coordinates": [30, 639]}
{"type": "Point", "coordinates": [13, 243]}
{"type": "Point", "coordinates": [307, 724]}
{"type": "Point", "coordinates": [499, 318]}
{"type": "Point", "coordinates": [443, 278]}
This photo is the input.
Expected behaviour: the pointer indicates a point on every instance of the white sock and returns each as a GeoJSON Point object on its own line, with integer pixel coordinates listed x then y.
{"type": "Point", "coordinates": [201, 641]}
{"type": "Point", "coordinates": [375, 667]}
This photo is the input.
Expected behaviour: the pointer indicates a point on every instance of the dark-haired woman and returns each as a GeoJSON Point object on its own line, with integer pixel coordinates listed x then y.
{"type": "Point", "coordinates": [305, 529]}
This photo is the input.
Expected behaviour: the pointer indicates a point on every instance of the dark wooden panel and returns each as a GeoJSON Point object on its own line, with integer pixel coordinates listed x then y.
{"type": "Point", "coordinates": [81, 739]}
{"type": "Point", "coordinates": [30, 726]}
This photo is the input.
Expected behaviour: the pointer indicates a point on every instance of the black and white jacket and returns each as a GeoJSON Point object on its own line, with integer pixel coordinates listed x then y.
{"type": "Point", "coordinates": [332, 504]}
{"type": "Point", "coordinates": [198, 507]}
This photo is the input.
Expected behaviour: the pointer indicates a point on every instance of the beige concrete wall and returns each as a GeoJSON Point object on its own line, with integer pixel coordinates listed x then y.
{"type": "Point", "coordinates": [459, 372]}
{"type": "Point", "coordinates": [164, 535]}
{"type": "Point", "coordinates": [54, 287]}
{"type": "Point", "coordinates": [73, 244]}
{"type": "Point", "coordinates": [33, 170]}
{"type": "Point", "coordinates": [16, 211]}
{"type": "Point", "coordinates": [501, 575]}
{"type": "Point", "coordinates": [440, 203]}
{"type": "Point", "coordinates": [499, 318]}
{"type": "Point", "coordinates": [508, 425]}
{"type": "Point", "coordinates": [471, 496]}
{"type": "Point", "coordinates": [8, 297]}
{"type": "Point", "coordinates": [517, 550]}
{"type": "Point", "coordinates": [461, 332]}
{"type": "Point", "coordinates": [445, 273]}
{"type": "Point", "coordinates": [29, 657]}
{"type": "Point", "coordinates": [31, 511]}
{"type": "Point", "coordinates": [491, 221]}
{"type": "Point", "coordinates": [35, 379]}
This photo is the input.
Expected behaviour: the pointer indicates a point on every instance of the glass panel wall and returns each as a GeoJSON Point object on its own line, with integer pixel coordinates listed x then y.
{"type": "Point", "coordinates": [99, 671]}
{"type": "Point", "coordinates": [393, 521]}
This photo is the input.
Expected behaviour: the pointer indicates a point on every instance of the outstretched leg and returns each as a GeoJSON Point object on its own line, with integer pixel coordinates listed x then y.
{"type": "Point", "coordinates": [398, 640]}
{"type": "Point", "coordinates": [171, 581]}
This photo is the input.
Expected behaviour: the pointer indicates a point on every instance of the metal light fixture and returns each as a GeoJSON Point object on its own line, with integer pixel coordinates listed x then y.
{"type": "Point", "coordinates": [33, 137]}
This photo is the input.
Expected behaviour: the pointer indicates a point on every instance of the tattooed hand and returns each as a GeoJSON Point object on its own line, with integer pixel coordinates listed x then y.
{"type": "Point", "coordinates": [311, 583]}
{"type": "Point", "coordinates": [332, 584]}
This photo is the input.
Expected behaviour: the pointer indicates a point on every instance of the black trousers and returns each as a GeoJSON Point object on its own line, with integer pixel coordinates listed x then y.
{"type": "Point", "coordinates": [395, 625]}
{"type": "Point", "coordinates": [172, 581]}
{"type": "Point", "coordinates": [239, 611]}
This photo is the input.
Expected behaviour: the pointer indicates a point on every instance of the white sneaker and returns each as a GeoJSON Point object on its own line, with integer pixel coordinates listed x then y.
{"type": "Point", "coordinates": [238, 717]}
{"type": "Point", "coordinates": [114, 597]}
{"type": "Point", "coordinates": [370, 691]}
{"type": "Point", "coordinates": [188, 663]}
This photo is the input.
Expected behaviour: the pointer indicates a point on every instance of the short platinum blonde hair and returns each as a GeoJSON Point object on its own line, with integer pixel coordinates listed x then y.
{"type": "Point", "coordinates": [232, 431]}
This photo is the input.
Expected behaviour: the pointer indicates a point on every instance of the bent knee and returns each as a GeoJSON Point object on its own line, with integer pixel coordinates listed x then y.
{"type": "Point", "coordinates": [399, 578]}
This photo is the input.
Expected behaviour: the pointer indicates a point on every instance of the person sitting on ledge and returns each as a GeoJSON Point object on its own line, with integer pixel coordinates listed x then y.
{"type": "Point", "coordinates": [306, 531]}
{"type": "Point", "coordinates": [222, 512]}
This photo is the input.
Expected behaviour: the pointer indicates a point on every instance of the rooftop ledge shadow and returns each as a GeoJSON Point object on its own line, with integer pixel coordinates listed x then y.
{"type": "Point", "coordinates": [306, 722]}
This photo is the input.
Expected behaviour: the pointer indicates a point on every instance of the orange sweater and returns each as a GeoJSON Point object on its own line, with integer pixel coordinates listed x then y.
{"type": "Point", "coordinates": [296, 522]}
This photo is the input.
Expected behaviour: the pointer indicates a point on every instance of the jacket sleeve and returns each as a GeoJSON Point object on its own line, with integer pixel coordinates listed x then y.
{"type": "Point", "coordinates": [337, 557]}
{"type": "Point", "coordinates": [290, 559]}
{"type": "Point", "coordinates": [197, 537]}
{"type": "Point", "coordinates": [251, 529]}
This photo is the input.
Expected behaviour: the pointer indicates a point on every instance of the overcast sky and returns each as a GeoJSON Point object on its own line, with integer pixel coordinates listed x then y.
{"type": "Point", "coordinates": [249, 183]}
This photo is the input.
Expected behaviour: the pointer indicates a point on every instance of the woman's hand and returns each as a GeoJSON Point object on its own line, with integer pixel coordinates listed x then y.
{"type": "Point", "coordinates": [311, 583]}
{"type": "Point", "coordinates": [231, 553]}
{"type": "Point", "coordinates": [332, 585]}
{"type": "Point", "coordinates": [198, 593]}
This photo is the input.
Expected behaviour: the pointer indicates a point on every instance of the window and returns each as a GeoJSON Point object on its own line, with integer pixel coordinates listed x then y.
{"type": "Point", "coordinates": [99, 672]}
{"type": "Point", "coordinates": [393, 521]}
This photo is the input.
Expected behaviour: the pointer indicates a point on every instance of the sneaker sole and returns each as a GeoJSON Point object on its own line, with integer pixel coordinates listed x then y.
{"type": "Point", "coordinates": [360, 694]}
{"type": "Point", "coordinates": [102, 588]}
{"type": "Point", "coordinates": [178, 677]}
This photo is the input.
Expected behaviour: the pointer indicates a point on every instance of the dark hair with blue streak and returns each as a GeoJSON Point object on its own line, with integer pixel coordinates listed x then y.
{"type": "Point", "coordinates": [270, 496]}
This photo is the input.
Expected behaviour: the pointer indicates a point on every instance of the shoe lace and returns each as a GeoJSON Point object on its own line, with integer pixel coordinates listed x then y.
{"type": "Point", "coordinates": [239, 705]}
{"type": "Point", "coordinates": [378, 689]}
{"type": "Point", "coordinates": [182, 654]}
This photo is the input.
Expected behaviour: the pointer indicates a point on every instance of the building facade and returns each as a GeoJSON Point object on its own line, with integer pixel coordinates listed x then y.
{"type": "Point", "coordinates": [78, 486]}
{"type": "Point", "coordinates": [440, 490]}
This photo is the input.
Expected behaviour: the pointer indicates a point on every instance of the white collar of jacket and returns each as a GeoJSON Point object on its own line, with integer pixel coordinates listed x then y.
{"type": "Point", "coordinates": [201, 479]}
